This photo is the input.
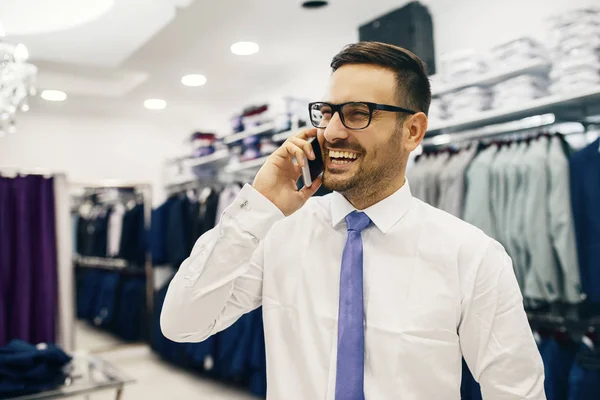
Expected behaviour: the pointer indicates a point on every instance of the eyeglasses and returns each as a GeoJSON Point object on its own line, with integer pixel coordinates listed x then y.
{"type": "Point", "coordinates": [354, 115]}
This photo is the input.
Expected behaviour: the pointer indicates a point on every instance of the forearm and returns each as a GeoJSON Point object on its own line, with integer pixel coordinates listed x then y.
{"type": "Point", "coordinates": [222, 278]}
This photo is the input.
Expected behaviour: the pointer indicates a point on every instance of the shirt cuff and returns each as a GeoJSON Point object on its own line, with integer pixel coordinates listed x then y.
{"type": "Point", "coordinates": [254, 212]}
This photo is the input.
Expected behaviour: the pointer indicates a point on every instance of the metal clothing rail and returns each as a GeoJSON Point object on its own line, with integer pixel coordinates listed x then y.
{"type": "Point", "coordinates": [520, 126]}
{"type": "Point", "coordinates": [112, 263]}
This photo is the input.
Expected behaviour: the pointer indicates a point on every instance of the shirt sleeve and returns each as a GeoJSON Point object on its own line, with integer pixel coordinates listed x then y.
{"type": "Point", "coordinates": [495, 338]}
{"type": "Point", "coordinates": [222, 279]}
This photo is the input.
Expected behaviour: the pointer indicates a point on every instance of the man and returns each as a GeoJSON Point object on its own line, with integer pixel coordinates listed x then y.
{"type": "Point", "coordinates": [379, 303]}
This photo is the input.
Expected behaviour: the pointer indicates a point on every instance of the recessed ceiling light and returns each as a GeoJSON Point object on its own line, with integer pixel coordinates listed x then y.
{"type": "Point", "coordinates": [193, 80]}
{"type": "Point", "coordinates": [244, 48]}
{"type": "Point", "coordinates": [53, 95]}
{"type": "Point", "coordinates": [155, 104]}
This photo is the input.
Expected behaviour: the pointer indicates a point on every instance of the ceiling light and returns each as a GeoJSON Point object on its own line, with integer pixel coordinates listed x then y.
{"type": "Point", "coordinates": [193, 80]}
{"type": "Point", "coordinates": [244, 48]}
{"type": "Point", "coordinates": [53, 95]}
{"type": "Point", "coordinates": [155, 104]}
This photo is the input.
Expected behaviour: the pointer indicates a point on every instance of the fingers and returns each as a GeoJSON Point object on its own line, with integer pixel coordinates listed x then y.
{"type": "Point", "coordinates": [296, 147]}
{"type": "Point", "coordinates": [307, 133]}
{"type": "Point", "coordinates": [307, 191]}
{"type": "Point", "coordinates": [290, 150]}
{"type": "Point", "coordinates": [304, 145]}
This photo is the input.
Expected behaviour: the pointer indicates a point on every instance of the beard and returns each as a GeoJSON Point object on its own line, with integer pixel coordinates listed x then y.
{"type": "Point", "coordinates": [373, 170]}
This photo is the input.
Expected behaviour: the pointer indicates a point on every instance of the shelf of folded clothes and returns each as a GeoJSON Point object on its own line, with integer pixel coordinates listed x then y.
{"type": "Point", "coordinates": [283, 136]}
{"type": "Point", "coordinates": [256, 130]}
{"type": "Point", "coordinates": [494, 76]}
{"type": "Point", "coordinates": [249, 165]}
{"type": "Point", "coordinates": [218, 157]}
{"type": "Point", "coordinates": [549, 104]}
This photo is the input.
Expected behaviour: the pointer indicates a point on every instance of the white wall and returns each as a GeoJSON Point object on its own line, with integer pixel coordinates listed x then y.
{"type": "Point", "coordinates": [91, 149]}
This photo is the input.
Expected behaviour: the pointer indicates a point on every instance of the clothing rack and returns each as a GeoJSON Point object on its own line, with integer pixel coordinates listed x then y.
{"type": "Point", "coordinates": [515, 127]}
{"type": "Point", "coordinates": [218, 182]}
{"type": "Point", "coordinates": [145, 191]}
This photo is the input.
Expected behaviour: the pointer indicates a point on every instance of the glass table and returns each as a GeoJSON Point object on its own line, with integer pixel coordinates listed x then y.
{"type": "Point", "coordinates": [88, 374]}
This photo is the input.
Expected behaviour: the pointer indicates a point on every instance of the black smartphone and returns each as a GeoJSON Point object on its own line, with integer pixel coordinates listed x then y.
{"type": "Point", "coordinates": [313, 168]}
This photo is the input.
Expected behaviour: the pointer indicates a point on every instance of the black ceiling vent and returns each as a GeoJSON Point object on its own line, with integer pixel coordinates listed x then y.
{"type": "Point", "coordinates": [312, 4]}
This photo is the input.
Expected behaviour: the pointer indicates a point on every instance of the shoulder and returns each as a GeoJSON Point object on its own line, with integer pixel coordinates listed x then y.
{"type": "Point", "coordinates": [442, 223]}
{"type": "Point", "coordinates": [456, 243]}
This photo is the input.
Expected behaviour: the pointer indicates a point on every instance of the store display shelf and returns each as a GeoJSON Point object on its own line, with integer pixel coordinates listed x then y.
{"type": "Point", "coordinates": [246, 165]}
{"type": "Point", "coordinates": [494, 77]}
{"type": "Point", "coordinates": [219, 156]}
{"type": "Point", "coordinates": [258, 130]}
{"type": "Point", "coordinates": [548, 104]}
{"type": "Point", "coordinates": [283, 136]}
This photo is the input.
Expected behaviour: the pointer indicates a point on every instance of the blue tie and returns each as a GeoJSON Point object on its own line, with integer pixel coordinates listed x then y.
{"type": "Point", "coordinates": [349, 383]}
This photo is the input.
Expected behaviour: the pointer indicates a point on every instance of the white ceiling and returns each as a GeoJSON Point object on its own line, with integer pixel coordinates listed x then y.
{"type": "Point", "coordinates": [140, 49]}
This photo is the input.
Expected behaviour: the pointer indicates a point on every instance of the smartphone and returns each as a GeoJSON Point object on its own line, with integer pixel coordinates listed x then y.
{"type": "Point", "coordinates": [313, 168]}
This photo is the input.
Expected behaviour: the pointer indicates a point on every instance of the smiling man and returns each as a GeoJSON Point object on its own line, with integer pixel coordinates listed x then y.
{"type": "Point", "coordinates": [367, 292]}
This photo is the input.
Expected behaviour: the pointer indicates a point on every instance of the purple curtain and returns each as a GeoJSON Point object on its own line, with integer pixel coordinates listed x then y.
{"type": "Point", "coordinates": [28, 260]}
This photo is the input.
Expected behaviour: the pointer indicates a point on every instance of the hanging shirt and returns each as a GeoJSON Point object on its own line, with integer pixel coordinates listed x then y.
{"type": "Point", "coordinates": [435, 289]}
{"type": "Point", "coordinates": [477, 199]}
{"type": "Point", "coordinates": [115, 228]}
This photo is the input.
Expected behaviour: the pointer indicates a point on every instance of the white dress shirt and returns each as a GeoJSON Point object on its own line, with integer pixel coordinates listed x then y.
{"type": "Point", "coordinates": [435, 288]}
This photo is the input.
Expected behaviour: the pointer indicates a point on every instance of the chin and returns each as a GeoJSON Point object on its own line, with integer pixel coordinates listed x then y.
{"type": "Point", "coordinates": [339, 182]}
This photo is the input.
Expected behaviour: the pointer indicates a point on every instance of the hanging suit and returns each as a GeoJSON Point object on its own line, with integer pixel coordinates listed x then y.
{"type": "Point", "coordinates": [562, 230]}
{"type": "Point", "coordinates": [585, 195]}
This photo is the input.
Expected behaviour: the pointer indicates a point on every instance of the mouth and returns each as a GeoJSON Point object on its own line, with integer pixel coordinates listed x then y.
{"type": "Point", "coordinates": [341, 159]}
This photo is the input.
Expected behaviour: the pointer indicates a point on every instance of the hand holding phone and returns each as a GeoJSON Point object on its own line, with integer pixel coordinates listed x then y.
{"type": "Point", "coordinates": [313, 168]}
{"type": "Point", "coordinates": [276, 180]}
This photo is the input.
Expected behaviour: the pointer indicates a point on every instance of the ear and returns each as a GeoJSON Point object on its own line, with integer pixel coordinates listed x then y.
{"type": "Point", "coordinates": [416, 126]}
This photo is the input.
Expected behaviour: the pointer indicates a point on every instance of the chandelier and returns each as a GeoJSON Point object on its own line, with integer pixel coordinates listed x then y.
{"type": "Point", "coordinates": [17, 83]}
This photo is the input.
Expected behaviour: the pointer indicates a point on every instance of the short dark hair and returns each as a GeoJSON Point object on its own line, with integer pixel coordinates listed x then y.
{"type": "Point", "coordinates": [414, 90]}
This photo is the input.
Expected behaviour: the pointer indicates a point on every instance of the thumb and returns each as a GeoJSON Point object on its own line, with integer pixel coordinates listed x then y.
{"type": "Point", "coordinates": [307, 191]}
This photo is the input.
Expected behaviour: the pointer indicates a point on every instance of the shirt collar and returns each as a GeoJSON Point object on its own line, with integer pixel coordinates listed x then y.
{"type": "Point", "coordinates": [384, 214]}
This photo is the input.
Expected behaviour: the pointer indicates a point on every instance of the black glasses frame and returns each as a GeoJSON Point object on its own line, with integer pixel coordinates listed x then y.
{"type": "Point", "coordinates": [337, 108]}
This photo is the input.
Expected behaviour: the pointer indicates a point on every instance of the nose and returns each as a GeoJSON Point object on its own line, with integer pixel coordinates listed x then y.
{"type": "Point", "coordinates": [335, 130]}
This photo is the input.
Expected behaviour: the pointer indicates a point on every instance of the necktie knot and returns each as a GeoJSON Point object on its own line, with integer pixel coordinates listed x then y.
{"type": "Point", "coordinates": [357, 221]}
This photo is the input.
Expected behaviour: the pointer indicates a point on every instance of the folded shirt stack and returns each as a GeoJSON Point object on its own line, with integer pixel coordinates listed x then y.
{"type": "Point", "coordinates": [516, 53]}
{"type": "Point", "coordinates": [25, 368]}
{"type": "Point", "coordinates": [468, 101]}
{"type": "Point", "coordinates": [518, 90]}
{"type": "Point", "coordinates": [461, 65]}
{"type": "Point", "coordinates": [576, 50]}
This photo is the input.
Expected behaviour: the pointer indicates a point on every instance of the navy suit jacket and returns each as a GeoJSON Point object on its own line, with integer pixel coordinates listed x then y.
{"type": "Point", "coordinates": [585, 196]}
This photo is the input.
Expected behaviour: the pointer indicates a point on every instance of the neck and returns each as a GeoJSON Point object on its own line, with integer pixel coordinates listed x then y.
{"type": "Point", "coordinates": [362, 198]}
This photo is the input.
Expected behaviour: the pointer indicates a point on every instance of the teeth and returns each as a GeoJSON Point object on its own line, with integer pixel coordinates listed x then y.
{"type": "Point", "coordinates": [337, 161]}
{"type": "Point", "coordinates": [343, 154]}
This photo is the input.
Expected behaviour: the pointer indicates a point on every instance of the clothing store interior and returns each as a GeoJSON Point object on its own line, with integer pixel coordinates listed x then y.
{"type": "Point", "coordinates": [128, 127]}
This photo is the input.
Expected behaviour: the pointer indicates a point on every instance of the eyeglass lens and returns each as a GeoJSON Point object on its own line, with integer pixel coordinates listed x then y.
{"type": "Point", "coordinates": [354, 115]}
